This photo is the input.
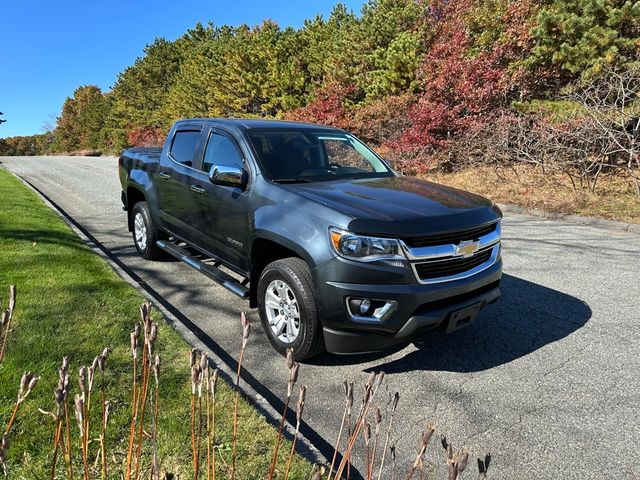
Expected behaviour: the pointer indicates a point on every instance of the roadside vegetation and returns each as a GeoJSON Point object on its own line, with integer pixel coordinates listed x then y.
{"type": "Point", "coordinates": [70, 303]}
{"type": "Point", "coordinates": [436, 86]}
{"type": "Point", "coordinates": [529, 188]}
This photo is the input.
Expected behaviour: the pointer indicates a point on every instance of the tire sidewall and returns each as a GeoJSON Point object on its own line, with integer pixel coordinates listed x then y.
{"type": "Point", "coordinates": [149, 251]}
{"type": "Point", "coordinates": [308, 319]}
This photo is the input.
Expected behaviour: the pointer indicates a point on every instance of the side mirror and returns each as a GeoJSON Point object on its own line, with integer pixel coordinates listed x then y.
{"type": "Point", "coordinates": [228, 176]}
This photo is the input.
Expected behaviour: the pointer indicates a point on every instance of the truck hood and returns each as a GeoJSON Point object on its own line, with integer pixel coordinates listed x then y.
{"type": "Point", "coordinates": [398, 206]}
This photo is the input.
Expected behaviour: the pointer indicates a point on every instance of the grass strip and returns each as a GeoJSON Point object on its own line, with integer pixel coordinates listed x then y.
{"type": "Point", "coordinates": [71, 303]}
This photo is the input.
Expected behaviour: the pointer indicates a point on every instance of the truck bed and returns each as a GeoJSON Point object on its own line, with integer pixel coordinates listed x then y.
{"type": "Point", "coordinates": [143, 154]}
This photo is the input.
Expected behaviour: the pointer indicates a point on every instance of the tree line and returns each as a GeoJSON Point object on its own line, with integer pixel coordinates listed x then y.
{"type": "Point", "coordinates": [415, 78]}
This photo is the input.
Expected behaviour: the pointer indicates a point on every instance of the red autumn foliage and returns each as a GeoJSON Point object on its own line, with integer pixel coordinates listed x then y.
{"type": "Point", "coordinates": [146, 137]}
{"type": "Point", "coordinates": [380, 122]}
{"type": "Point", "coordinates": [460, 90]}
{"type": "Point", "coordinates": [328, 108]}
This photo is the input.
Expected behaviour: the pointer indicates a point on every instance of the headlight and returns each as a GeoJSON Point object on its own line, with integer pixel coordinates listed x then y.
{"type": "Point", "coordinates": [367, 249]}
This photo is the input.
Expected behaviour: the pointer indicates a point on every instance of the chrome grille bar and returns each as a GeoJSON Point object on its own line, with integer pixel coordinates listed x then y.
{"type": "Point", "coordinates": [449, 250]}
{"type": "Point", "coordinates": [439, 256]}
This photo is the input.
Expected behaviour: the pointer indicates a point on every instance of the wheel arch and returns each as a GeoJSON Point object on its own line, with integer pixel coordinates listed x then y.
{"type": "Point", "coordinates": [134, 195]}
{"type": "Point", "coordinates": [266, 249]}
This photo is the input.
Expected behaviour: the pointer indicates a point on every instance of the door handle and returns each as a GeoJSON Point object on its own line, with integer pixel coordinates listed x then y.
{"type": "Point", "coordinates": [197, 189]}
{"type": "Point", "coordinates": [166, 176]}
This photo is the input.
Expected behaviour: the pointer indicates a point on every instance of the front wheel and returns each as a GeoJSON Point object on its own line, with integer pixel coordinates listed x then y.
{"type": "Point", "coordinates": [288, 308]}
{"type": "Point", "coordinates": [144, 233]}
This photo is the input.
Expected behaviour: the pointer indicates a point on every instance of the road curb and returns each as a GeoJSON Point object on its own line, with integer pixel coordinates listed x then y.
{"type": "Point", "coordinates": [576, 219]}
{"type": "Point", "coordinates": [306, 446]}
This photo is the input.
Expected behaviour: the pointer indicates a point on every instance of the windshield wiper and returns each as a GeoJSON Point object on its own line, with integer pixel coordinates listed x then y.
{"type": "Point", "coordinates": [292, 180]}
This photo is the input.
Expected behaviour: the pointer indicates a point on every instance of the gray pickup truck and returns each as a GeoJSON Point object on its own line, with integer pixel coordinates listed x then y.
{"type": "Point", "coordinates": [335, 249]}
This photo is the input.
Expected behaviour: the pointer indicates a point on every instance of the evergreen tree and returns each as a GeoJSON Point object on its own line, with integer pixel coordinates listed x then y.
{"type": "Point", "coordinates": [138, 98]}
{"type": "Point", "coordinates": [238, 71]}
{"type": "Point", "coordinates": [327, 49]}
{"type": "Point", "coordinates": [91, 111]}
{"type": "Point", "coordinates": [82, 119]}
{"type": "Point", "coordinates": [391, 40]}
{"type": "Point", "coordinates": [409, 72]}
{"type": "Point", "coordinates": [582, 37]}
{"type": "Point", "coordinates": [140, 91]}
{"type": "Point", "coordinates": [65, 135]}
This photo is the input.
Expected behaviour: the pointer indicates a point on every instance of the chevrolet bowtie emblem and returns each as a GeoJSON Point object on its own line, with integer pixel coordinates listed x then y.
{"type": "Point", "coordinates": [467, 249]}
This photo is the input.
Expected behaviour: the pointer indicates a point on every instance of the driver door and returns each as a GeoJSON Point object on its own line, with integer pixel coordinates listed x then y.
{"type": "Point", "coordinates": [222, 218]}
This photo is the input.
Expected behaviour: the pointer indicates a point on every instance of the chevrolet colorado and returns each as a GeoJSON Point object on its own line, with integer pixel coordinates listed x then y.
{"type": "Point", "coordinates": [335, 249]}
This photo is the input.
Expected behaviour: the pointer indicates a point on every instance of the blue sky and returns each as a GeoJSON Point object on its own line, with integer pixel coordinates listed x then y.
{"type": "Point", "coordinates": [48, 48]}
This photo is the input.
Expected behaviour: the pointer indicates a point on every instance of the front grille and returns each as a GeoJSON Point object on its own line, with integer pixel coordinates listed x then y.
{"type": "Point", "coordinates": [451, 266]}
{"type": "Point", "coordinates": [449, 238]}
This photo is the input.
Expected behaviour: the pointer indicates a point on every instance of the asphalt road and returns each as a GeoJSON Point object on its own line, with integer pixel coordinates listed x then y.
{"type": "Point", "coordinates": [546, 379]}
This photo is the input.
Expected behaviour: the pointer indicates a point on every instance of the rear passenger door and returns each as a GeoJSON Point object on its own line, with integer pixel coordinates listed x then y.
{"type": "Point", "coordinates": [176, 177]}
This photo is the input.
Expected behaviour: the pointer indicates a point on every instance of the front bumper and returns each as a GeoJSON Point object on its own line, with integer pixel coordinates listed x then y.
{"type": "Point", "coordinates": [420, 309]}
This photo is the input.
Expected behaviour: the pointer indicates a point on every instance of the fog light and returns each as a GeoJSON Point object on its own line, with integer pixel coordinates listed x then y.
{"type": "Point", "coordinates": [364, 309]}
{"type": "Point", "coordinates": [361, 306]}
{"type": "Point", "coordinates": [364, 306]}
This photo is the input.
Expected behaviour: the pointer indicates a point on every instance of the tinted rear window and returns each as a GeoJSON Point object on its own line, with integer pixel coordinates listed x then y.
{"type": "Point", "coordinates": [184, 146]}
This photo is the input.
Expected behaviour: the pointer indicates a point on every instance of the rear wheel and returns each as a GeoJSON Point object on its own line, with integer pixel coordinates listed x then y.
{"type": "Point", "coordinates": [144, 233]}
{"type": "Point", "coordinates": [288, 308]}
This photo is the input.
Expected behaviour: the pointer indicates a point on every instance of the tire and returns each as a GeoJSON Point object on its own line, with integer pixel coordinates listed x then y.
{"type": "Point", "coordinates": [290, 279]}
{"type": "Point", "coordinates": [144, 233]}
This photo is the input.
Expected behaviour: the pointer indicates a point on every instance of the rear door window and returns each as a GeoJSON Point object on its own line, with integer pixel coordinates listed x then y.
{"type": "Point", "coordinates": [184, 146]}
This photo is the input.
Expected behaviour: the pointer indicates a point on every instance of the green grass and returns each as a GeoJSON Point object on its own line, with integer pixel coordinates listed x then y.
{"type": "Point", "coordinates": [71, 303]}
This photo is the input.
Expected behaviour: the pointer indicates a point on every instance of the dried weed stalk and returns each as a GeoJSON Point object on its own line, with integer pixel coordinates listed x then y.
{"type": "Point", "coordinates": [195, 386]}
{"type": "Point", "coordinates": [4, 448]}
{"type": "Point", "coordinates": [211, 425]}
{"type": "Point", "coordinates": [348, 393]}
{"type": "Point", "coordinates": [135, 337]}
{"type": "Point", "coordinates": [27, 383]}
{"type": "Point", "coordinates": [155, 469]}
{"type": "Point", "coordinates": [425, 438]}
{"type": "Point", "coordinates": [246, 331]}
{"type": "Point", "coordinates": [300, 407]}
{"type": "Point", "coordinates": [5, 320]}
{"type": "Point", "coordinates": [370, 389]}
{"type": "Point", "coordinates": [293, 368]}
{"type": "Point", "coordinates": [394, 407]}
{"type": "Point", "coordinates": [150, 330]}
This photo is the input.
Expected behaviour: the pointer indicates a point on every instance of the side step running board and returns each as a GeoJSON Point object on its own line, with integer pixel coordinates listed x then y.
{"type": "Point", "coordinates": [215, 274]}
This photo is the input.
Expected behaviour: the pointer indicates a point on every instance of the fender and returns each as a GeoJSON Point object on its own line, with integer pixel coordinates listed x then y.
{"type": "Point", "coordinates": [141, 181]}
{"type": "Point", "coordinates": [283, 241]}
{"type": "Point", "coordinates": [299, 229]}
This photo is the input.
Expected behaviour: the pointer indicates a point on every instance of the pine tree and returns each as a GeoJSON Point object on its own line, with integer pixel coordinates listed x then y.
{"type": "Point", "coordinates": [140, 92]}
{"type": "Point", "coordinates": [392, 37]}
{"type": "Point", "coordinates": [82, 119]}
{"type": "Point", "coordinates": [584, 37]}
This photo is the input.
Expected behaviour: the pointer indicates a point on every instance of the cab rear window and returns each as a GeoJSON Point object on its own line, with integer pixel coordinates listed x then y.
{"type": "Point", "coordinates": [183, 147]}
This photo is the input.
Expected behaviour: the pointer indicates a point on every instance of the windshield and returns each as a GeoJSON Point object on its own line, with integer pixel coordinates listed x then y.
{"type": "Point", "coordinates": [303, 155]}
